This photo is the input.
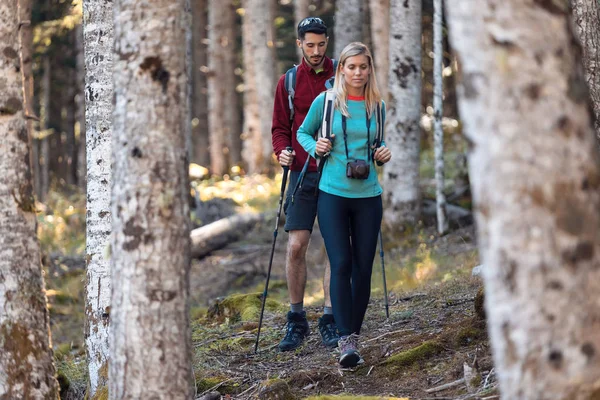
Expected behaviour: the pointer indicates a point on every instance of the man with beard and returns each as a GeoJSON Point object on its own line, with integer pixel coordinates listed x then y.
{"type": "Point", "coordinates": [312, 75]}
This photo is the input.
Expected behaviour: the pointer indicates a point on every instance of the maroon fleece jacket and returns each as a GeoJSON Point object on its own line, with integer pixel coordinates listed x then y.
{"type": "Point", "coordinates": [308, 86]}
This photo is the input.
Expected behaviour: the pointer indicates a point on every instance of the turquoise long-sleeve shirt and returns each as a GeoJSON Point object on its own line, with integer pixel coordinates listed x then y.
{"type": "Point", "coordinates": [333, 177]}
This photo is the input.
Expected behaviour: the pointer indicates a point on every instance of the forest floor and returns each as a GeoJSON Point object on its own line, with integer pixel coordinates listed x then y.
{"type": "Point", "coordinates": [433, 337]}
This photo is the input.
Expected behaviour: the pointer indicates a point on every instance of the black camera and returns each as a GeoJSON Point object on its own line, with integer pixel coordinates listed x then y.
{"type": "Point", "coordinates": [357, 169]}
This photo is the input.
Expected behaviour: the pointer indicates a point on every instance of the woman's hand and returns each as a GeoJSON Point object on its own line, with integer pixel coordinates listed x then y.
{"type": "Point", "coordinates": [324, 146]}
{"type": "Point", "coordinates": [382, 155]}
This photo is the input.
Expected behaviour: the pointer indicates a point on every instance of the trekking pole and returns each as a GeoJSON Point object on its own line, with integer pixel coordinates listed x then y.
{"type": "Point", "coordinates": [264, 298]}
{"type": "Point", "coordinates": [385, 293]}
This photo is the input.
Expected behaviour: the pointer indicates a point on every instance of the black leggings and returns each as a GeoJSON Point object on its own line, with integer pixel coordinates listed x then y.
{"type": "Point", "coordinates": [350, 229]}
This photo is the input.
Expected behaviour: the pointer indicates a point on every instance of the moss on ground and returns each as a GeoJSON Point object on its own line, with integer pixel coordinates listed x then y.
{"type": "Point", "coordinates": [275, 389]}
{"type": "Point", "coordinates": [411, 356]}
{"type": "Point", "coordinates": [242, 307]}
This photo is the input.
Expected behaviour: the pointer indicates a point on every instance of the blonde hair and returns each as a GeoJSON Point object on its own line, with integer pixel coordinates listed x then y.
{"type": "Point", "coordinates": [372, 95]}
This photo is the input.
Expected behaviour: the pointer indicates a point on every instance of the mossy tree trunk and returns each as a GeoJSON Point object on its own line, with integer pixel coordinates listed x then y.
{"type": "Point", "coordinates": [26, 368]}
{"type": "Point", "coordinates": [535, 177]}
{"type": "Point", "coordinates": [98, 39]}
{"type": "Point", "coordinates": [403, 133]}
{"type": "Point", "coordinates": [151, 345]}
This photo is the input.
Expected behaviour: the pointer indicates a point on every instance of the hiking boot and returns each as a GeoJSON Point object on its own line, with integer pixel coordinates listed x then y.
{"type": "Point", "coordinates": [297, 330]}
{"type": "Point", "coordinates": [349, 357]}
{"type": "Point", "coordinates": [328, 330]}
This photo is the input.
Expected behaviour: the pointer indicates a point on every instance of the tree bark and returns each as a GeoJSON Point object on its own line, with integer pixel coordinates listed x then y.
{"type": "Point", "coordinates": [259, 76]}
{"type": "Point", "coordinates": [26, 368]}
{"type": "Point", "coordinates": [98, 36]}
{"type": "Point", "coordinates": [200, 90]}
{"type": "Point", "coordinates": [401, 174]}
{"type": "Point", "coordinates": [151, 345]}
{"type": "Point", "coordinates": [301, 11]}
{"type": "Point", "coordinates": [348, 23]}
{"type": "Point", "coordinates": [44, 141]}
{"type": "Point", "coordinates": [586, 14]}
{"type": "Point", "coordinates": [535, 177]}
{"type": "Point", "coordinates": [380, 32]}
{"type": "Point", "coordinates": [220, 43]}
{"type": "Point", "coordinates": [233, 122]}
{"type": "Point", "coordinates": [438, 112]}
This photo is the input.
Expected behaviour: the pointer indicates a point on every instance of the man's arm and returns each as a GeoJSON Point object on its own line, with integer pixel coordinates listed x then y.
{"type": "Point", "coordinates": [281, 128]}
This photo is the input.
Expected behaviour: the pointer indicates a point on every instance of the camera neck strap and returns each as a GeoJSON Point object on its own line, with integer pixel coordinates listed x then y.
{"type": "Point", "coordinates": [368, 136]}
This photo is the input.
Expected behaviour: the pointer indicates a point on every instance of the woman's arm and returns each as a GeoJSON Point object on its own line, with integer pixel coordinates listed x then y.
{"type": "Point", "coordinates": [307, 131]}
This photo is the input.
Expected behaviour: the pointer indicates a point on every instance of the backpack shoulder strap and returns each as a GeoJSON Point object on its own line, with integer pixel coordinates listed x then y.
{"type": "Point", "coordinates": [328, 107]}
{"type": "Point", "coordinates": [290, 87]}
{"type": "Point", "coordinates": [380, 125]}
{"type": "Point", "coordinates": [329, 83]}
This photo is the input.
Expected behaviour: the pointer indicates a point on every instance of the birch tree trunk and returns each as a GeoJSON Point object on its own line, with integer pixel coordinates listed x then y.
{"type": "Point", "coordinates": [258, 58]}
{"type": "Point", "coordinates": [218, 44]}
{"type": "Point", "coordinates": [348, 24]}
{"type": "Point", "coordinates": [586, 14]}
{"type": "Point", "coordinates": [98, 39]}
{"type": "Point", "coordinates": [199, 82]}
{"type": "Point", "coordinates": [301, 11]}
{"type": "Point", "coordinates": [26, 369]}
{"type": "Point", "coordinates": [438, 112]}
{"type": "Point", "coordinates": [380, 32]}
{"type": "Point", "coordinates": [151, 345]}
{"type": "Point", "coordinates": [535, 176]}
{"type": "Point", "coordinates": [401, 174]}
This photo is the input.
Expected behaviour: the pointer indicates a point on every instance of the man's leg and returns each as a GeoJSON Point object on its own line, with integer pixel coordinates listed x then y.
{"type": "Point", "coordinates": [295, 269]}
{"type": "Point", "coordinates": [300, 216]}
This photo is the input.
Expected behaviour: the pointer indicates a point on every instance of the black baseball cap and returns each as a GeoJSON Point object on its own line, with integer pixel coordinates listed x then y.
{"type": "Point", "coordinates": [313, 25]}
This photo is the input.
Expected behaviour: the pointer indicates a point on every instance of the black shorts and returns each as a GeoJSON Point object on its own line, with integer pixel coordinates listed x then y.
{"type": "Point", "coordinates": [300, 215]}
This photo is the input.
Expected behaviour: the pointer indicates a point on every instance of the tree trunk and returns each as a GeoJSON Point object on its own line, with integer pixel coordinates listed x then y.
{"type": "Point", "coordinates": [380, 32]}
{"type": "Point", "coordinates": [401, 174]}
{"type": "Point", "coordinates": [70, 155]}
{"type": "Point", "coordinates": [98, 39]}
{"type": "Point", "coordinates": [80, 108]}
{"type": "Point", "coordinates": [438, 112]}
{"type": "Point", "coordinates": [233, 123]}
{"type": "Point", "coordinates": [44, 141]}
{"type": "Point", "coordinates": [301, 11]}
{"type": "Point", "coordinates": [348, 18]}
{"type": "Point", "coordinates": [586, 14]}
{"type": "Point", "coordinates": [25, 51]}
{"type": "Point", "coordinates": [535, 177]}
{"type": "Point", "coordinates": [252, 144]}
{"type": "Point", "coordinates": [26, 369]}
{"type": "Point", "coordinates": [150, 334]}
{"type": "Point", "coordinates": [200, 90]}
{"type": "Point", "coordinates": [258, 57]}
{"type": "Point", "coordinates": [219, 45]}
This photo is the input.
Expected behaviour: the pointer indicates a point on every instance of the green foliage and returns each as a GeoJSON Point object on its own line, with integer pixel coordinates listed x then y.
{"type": "Point", "coordinates": [72, 377]}
{"type": "Point", "coordinates": [61, 223]}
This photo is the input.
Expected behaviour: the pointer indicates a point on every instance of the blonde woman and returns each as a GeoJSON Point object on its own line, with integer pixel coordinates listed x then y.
{"type": "Point", "coordinates": [349, 208]}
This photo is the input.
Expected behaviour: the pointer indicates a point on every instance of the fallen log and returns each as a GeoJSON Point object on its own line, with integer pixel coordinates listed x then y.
{"type": "Point", "coordinates": [457, 216]}
{"type": "Point", "coordinates": [218, 234]}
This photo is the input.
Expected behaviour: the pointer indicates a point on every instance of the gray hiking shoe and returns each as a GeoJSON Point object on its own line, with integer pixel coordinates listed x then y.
{"type": "Point", "coordinates": [350, 357]}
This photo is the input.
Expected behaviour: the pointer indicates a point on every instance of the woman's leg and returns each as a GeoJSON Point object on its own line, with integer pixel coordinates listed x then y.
{"type": "Point", "coordinates": [333, 213]}
{"type": "Point", "coordinates": [365, 222]}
